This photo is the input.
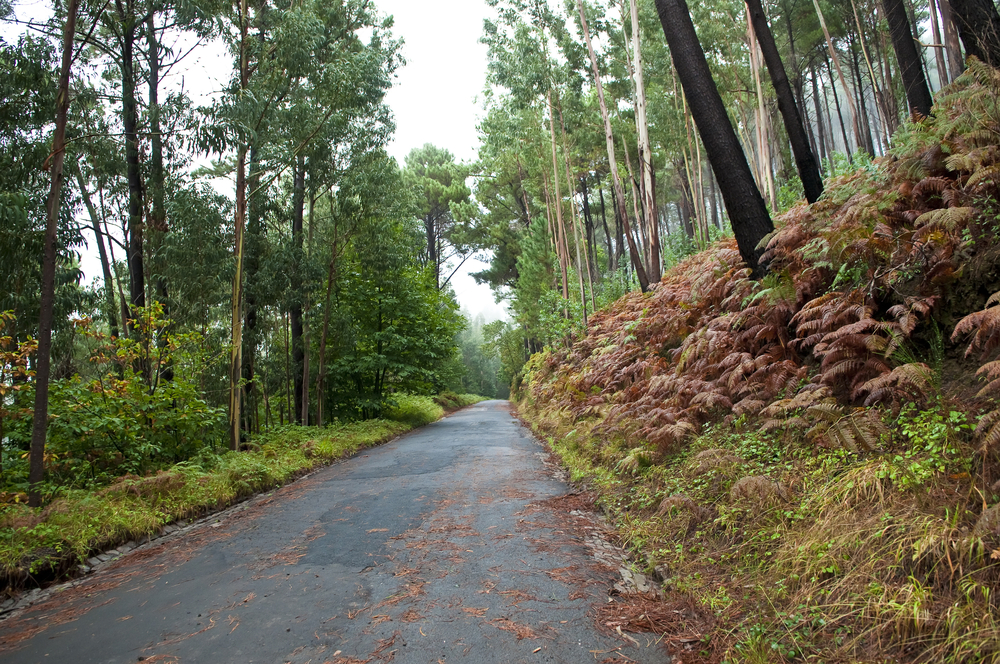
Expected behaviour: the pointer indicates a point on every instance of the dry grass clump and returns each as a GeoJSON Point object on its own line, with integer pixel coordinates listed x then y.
{"type": "Point", "coordinates": [759, 491]}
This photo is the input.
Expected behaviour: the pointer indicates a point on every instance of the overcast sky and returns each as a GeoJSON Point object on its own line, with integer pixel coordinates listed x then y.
{"type": "Point", "coordinates": [434, 99]}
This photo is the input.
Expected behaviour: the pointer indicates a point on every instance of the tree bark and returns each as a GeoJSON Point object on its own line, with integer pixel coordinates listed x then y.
{"type": "Point", "coordinates": [942, 68]}
{"type": "Point", "coordinates": [805, 159]}
{"type": "Point", "coordinates": [979, 26]}
{"type": "Point", "coordinates": [619, 197]}
{"type": "Point", "coordinates": [956, 63]}
{"type": "Point", "coordinates": [43, 361]}
{"type": "Point", "coordinates": [747, 211]}
{"type": "Point", "coordinates": [645, 151]}
{"type": "Point", "coordinates": [918, 95]}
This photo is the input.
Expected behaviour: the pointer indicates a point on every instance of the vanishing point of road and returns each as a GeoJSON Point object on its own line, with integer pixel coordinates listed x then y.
{"type": "Point", "coordinates": [457, 542]}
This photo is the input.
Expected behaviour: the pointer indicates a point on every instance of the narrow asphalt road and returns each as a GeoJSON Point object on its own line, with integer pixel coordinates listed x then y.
{"type": "Point", "coordinates": [456, 543]}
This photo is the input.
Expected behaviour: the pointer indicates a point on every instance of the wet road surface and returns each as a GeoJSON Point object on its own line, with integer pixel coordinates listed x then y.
{"type": "Point", "coordinates": [454, 543]}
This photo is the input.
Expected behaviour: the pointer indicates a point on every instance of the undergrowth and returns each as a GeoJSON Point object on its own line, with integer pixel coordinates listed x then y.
{"type": "Point", "coordinates": [804, 455]}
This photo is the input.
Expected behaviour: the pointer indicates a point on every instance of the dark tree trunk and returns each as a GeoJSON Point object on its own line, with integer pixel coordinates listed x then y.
{"type": "Point", "coordinates": [43, 361]}
{"type": "Point", "coordinates": [133, 174]}
{"type": "Point", "coordinates": [747, 211]}
{"type": "Point", "coordinates": [298, 348]}
{"type": "Point", "coordinates": [979, 26]}
{"type": "Point", "coordinates": [805, 160]}
{"type": "Point", "coordinates": [918, 95]}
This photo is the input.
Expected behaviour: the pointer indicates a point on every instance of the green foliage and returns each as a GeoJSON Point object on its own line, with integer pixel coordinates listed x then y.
{"type": "Point", "coordinates": [413, 410]}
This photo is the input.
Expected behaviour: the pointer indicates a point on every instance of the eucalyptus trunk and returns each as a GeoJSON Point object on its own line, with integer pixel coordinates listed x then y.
{"type": "Point", "coordinates": [619, 191]}
{"type": "Point", "coordinates": [645, 151]}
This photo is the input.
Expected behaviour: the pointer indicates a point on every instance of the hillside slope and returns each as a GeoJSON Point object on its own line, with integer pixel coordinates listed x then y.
{"type": "Point", "coordinates": [805, 459]}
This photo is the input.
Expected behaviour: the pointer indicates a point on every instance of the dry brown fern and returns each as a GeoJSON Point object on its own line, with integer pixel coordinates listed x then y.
{"type": "Point", "coordinates": [986, 324]}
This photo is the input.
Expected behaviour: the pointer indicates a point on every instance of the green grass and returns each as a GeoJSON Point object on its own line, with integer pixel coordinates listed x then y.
{"type": "Point", "coordinates": [38, 544]}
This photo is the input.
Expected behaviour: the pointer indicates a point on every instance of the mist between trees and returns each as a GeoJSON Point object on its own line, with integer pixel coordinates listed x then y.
{"type": "Point", "coordinates": [320, 288]}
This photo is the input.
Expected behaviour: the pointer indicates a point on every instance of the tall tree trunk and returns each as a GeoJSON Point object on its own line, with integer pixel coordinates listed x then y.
{"type": "Point", "coordinates": [840, 116]}
{"type": "Point", "coordinates": [645, 151]}
{"type": "Point", "coordinates": [918, 95]}
{"type": "Point", "coordinates": [612, 253]}
{"type": "Point", "coordinates": [747, 211]}
{"type": "Point", "coordinates": [295, 312]}
{"type": "Point", "coordinates": [581, 267]}
{"type": "Point", "coordinates": [158, 213]}
{"type": "Point", "coordinates": [109, 288]}
{"type": "Point", "coordinates": [877, 94]}
{"type": "Point", "coordinates": [619, 197]}
{"type": "Point", "coordinates": [942, 68]}
{"type": "Point", "coordinates": [43, 361]}
{"type": "Point", "coordinates": [805, 159]}
{"type": "Point", "coordinates": [866, 129]}
{"type": "Point", "coordinates": [133, 174]}
{"type": "Point", "coordinates": [840, 72]}
{"type": "Point", "coordinates": [979, 26]}
{"type": "Point", "coordinates": [956, 63]}
{"type": "Point", "coordinates": [560, 227]}
{"type": "Point", "coordinates": [820, 131]}
{"type": "Point", "coordinates": [236, 350]}
{"type": "Point", "coordinates": [589, 230]}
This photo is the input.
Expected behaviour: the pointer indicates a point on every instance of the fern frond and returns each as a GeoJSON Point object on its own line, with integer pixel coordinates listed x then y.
{"type": "Point", "coordinates": [986, 324]}
{"type": "Point", "coordinates": [947, 218]}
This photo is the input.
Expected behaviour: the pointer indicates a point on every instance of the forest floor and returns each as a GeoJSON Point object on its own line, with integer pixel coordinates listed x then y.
{"type": "Point", "coordinates": [460, 541]}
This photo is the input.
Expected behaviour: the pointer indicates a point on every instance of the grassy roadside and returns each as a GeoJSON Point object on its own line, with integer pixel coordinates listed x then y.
{"type": "Point", "coordinates": [790, 553]}
{"type": "Point", "coordinates": [40, 545]}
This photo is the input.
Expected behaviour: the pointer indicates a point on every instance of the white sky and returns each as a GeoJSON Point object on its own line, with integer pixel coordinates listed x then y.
{"type": "Point", "coordinates": [433, 101]}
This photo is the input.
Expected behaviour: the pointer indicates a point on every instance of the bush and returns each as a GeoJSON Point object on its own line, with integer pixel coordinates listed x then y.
{"type": "Point", "coordinates": [414, 410]}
